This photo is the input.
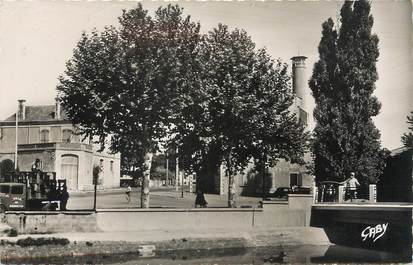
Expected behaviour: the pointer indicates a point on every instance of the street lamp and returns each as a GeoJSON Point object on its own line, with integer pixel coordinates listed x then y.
{"type": "Point", "coordinates": [264, 160]}
{"type": "Point", "coordinates": [20, 109]}
{"type": "Point", "coordinates": [96, 172]}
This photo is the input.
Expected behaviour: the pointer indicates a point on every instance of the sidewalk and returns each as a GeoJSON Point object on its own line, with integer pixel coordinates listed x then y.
{"type": "Point", "coordinates": [114, 198]}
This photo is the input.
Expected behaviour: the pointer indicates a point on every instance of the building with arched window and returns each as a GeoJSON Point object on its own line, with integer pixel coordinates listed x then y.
{"type": "Point", "coordinates": [45, 132]}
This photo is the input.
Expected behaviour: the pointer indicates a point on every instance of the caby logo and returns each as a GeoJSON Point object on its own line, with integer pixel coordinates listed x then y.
{"type": "Point", "coordinates": [374, 232]}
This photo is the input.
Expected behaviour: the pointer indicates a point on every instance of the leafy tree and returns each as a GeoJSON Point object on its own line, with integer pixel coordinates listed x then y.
{"type": "Point", "coordinates": [407, 138]}
{"type": "Point", "coordinates": [241, 111]}
{"type": "Point", "coordinates": [6, 168]}
{"type": "Point", "coordinates": [274, 132]}
{"type": "Point", "coordinates": [343, 82]}
{"type": "Point", "coordinates": [121, 85]}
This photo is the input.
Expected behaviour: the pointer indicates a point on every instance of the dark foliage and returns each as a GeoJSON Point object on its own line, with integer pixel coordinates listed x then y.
{"type": "Point", "coordinates": [407, 138]}
{"type": "Point", "coordinates": [6, 167]}
{"type": "Point", "coordinates": [343, 82]}
{"type": "Point", "coordinates": [42, 241]}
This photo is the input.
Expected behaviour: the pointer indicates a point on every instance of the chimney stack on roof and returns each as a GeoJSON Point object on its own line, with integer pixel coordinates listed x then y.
{"type": "Point", "coordinates": [21, 111]}
{"type": "Point", "coordinates": [300, 87]}
{"type": "Point", "coordinates": [57, 109]}
{"type": "Point", "coordinates": [299, 78]}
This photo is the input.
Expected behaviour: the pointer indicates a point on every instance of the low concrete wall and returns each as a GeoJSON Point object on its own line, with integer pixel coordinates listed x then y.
{"type": "Point", "coordinates": [50, 222]}
{"type": "Point", "coordinates": [273, 214]}
{"type": "Point", "coordinates": [294, 212]}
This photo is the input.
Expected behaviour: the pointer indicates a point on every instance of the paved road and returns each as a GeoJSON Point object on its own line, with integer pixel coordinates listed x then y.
{"type": "Point", "coordinates": [158, 198]}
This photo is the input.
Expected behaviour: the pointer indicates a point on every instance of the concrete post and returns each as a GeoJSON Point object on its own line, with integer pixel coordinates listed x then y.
{"type": "Point", "coordinates": [37, 186]}
{"type": "Point", "coordinates": [315, 193]}
{"type": "Point", "coordinates": [372, 193]}
{"type": "Point", "coordinates": [341, 194]}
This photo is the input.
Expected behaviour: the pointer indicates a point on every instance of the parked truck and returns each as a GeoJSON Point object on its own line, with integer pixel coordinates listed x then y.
{"type": "Point", "coordinates": [31, 191]}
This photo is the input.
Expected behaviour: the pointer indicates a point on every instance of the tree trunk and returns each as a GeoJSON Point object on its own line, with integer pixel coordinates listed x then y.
{"type": "Point", "coordinates": [176, 170]}
{"type": "Point", "coordinates": [264, 160]}
{"type": "Point", "coordinates": [145, 181]}
{"type": "Point", "coordinates": [231, 190]}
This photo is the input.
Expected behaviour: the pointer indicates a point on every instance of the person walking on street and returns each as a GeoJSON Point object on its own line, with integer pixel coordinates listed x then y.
{"type": "Point", "coordinates": [128, 191]}
{"type": "Point", "coordinates": [64, 198]}
{"type": "Point", "coordinates": [200, 199]}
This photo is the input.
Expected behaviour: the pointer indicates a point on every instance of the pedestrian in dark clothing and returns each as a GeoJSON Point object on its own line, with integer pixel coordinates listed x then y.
{"type": "Point", "coordinates": [64, 198]}
{"type": "Point", "coordinates": [200, 201]}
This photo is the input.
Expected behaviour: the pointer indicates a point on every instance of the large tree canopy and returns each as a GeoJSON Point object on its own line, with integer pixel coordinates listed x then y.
{"type": "Point", "coordinates": [241, 108]}
{"type": "Point", "coordinates": [157, 81]}
{"type": "Point", "coordinates": [343, 82]}
{"type": "Point", "coordinates": [121, 84]}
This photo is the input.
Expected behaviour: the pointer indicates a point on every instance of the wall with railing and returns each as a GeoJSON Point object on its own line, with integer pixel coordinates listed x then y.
{"type": "Point", "coordinates": [328, 193]}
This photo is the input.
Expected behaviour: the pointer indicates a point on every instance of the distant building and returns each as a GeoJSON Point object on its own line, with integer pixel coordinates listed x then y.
{"type": "Point", "coordinates": [46, 133]}
{"type": "Point", "coordinates": [284, 174]}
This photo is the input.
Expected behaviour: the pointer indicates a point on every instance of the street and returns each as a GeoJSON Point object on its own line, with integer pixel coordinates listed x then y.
{"type": "Point", "coordinates": [166, 198]}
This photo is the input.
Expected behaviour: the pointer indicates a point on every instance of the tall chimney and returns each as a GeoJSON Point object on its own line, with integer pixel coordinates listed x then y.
{"type": "Point", "coordinates": [21, 109]}
{"type": "Point", "coordinates": [300, 86]}
{"type": "Point", "coordinates": [57, 109]}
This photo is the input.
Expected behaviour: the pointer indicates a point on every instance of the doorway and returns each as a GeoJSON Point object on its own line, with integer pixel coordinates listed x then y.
{"type": "Point", "coordinates": [70, 165]}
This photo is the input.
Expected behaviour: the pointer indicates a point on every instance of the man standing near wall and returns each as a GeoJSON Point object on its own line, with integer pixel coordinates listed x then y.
{"type": "Point", "coordinates": [352, 184]}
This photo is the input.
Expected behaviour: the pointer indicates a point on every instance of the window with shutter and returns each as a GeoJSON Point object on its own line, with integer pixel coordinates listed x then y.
{"type": "Point", "coordinates": [44, 136]}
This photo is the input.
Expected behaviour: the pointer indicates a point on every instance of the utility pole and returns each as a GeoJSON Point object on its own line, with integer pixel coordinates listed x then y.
{"type": "Point", "coordinates": [94, 194]}
{"type": "Point", "coordinates": [17, 138]}
{"type": "Point", "coordinates": [20, 108]}
{"type": "Point", "coordinates": [96, 172]}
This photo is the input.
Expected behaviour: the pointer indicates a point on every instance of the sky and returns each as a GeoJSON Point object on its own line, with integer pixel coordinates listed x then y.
{"type": "Point", "coordinates": [37, 38]}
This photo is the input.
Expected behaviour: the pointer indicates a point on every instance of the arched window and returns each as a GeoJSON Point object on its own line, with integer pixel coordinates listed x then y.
{"type": "Point", "coordinates": [44, 136]}
{"type": "Point", "coordinates": [67, 136]}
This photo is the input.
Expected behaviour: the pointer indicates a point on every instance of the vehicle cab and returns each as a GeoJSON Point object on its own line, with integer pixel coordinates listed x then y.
{"type": "Point", "coordinates": [12, 196]}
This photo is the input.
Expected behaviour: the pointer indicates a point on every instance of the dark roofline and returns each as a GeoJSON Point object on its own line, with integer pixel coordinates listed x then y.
{"type": "Point", "coordinates": [51, 122]}
{"type": "Point", "coordinates": [298, 57]}
{"type": "Point", "coordinates": [38, 113]}
{"type": "Point", "coordinates": [400, 150]}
